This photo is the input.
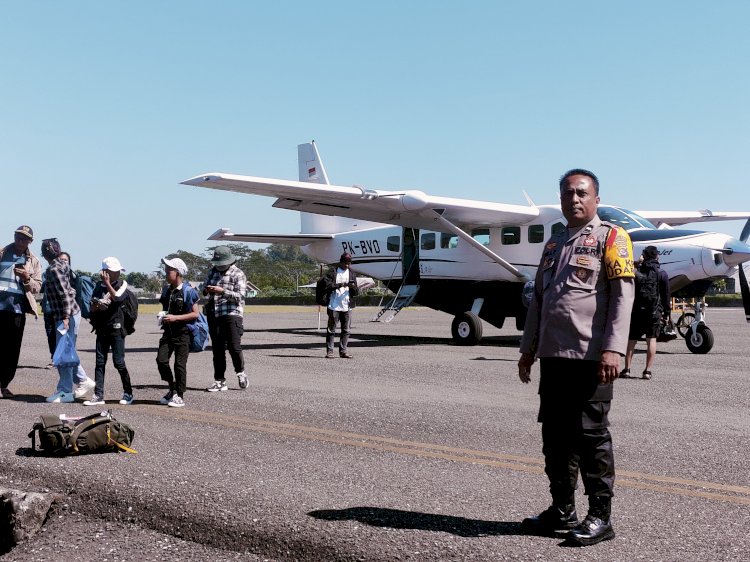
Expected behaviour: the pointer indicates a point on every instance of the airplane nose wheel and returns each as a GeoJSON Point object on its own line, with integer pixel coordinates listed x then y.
{"type": "Point", "coordinates": [466, 329]}
{"type": "Point", "coordinates": [701, 341]}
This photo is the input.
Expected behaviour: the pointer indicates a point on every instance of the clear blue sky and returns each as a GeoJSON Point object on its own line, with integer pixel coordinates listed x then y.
{"type": "Point", "coordinates": [107, 106]}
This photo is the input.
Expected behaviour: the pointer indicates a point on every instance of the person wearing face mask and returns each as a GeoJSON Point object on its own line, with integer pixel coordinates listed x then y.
{"type": "Point", "coordinates": [20, 280]}
{"type": "Point", "coordinates": [225, 288]}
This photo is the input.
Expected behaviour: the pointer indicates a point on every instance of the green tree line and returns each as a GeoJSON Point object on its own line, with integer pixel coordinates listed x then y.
{"type": "Point", "coordinates": [277, 269]}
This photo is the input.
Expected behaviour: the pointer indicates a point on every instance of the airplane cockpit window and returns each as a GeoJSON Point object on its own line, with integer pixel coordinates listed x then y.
{"type": "Point", "coordinates": [511, 235]}
{"type": "Point", "coordinates": [624, 218]}
{"type": "Point", "coordinates": [393, 243]}
{"type": "Point", "coordinates": [481, 235]}
{"type": "Point", "coordinates": [536, 233]}
{"type": "Point", "coordinates": [427, 242]}
{"type": "Point", "coordinates": [558, 227]}
{"type": "Point", "coordinates": [448, 240]}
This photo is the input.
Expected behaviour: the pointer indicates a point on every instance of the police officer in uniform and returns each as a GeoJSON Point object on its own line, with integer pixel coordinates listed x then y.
{"type": "Point", "coordinates": [577, 324]}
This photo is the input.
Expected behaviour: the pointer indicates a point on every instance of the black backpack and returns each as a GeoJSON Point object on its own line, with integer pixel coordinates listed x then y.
{"type": "Point", "coordinates": [647, 291]}
{"type": "Point", "coordinates": [129, 311]}
{"type": "Point", "coordinates": [322, 293]}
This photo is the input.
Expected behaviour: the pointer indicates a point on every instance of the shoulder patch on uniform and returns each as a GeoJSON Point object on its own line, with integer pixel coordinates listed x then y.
{"type": "Point", "coordinates": [618, 254]}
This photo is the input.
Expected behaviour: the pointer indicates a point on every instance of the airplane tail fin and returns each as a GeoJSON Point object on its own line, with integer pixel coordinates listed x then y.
{"type": "Point", "coordinates": [311, 170]}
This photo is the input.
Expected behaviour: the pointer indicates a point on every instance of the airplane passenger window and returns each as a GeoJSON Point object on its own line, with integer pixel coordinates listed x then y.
{"type": "Point", "coordinates": [536, 233]}
{"type": "Point", "coordinates": [448, 240]}
{"type": "Point", "coordinates": [481, 235]}
{"type": "Point", "coordinates": [511, 235]}
{"type": "Point", "coordinates": [393, 243]}
{"type": "Point", "coordinates": [428, 241]}
{"type": "Point", "coordinates": [557, 228]}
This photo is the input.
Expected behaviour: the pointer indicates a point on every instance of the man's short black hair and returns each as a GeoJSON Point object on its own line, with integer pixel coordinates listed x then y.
{"type": "Point", "coordinates": [50, 248]}
{"type": "Point", "coordinates": [580, 172]}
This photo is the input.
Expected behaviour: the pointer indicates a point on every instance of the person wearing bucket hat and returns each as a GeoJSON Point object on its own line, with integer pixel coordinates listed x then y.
{"type": "Point", "coordinates": [341, 285]}
{"type": "Point", "coordinates": [225, 287]}
{"type": "Point", "coordinates": [20, 280]}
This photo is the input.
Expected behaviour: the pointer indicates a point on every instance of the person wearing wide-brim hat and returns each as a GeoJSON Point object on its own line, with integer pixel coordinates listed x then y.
{"type": "Point", "coordinates": [225, 288]}
{"type": "Point", "coordinates": [20, 280]}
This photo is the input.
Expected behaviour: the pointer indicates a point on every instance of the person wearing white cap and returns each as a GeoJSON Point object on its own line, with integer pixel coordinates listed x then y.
{"type": "Point", "coordinates": [109, 324]}
{"type": "Point", "coordinates": [179, 302]}
{"type": "Point", "coordinates": [20, 280]}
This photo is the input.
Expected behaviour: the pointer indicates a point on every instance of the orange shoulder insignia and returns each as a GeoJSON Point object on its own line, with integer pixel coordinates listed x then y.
{"type": "Point", "coordinates": [618, 254]}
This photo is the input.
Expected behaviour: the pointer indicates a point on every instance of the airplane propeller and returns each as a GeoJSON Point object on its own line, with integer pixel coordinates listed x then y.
{"type": "Point", "coordinates": [744, 287]}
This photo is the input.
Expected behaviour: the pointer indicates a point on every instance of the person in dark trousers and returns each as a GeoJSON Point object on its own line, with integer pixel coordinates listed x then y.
{"type": "Point", "coordinates": [20, 280]}
{"type": "Point", "coordinates": [651, 307]}
{"type": "Point", "coordinates": [341, 286]}
{"type": "Point", "coordinates": [577, 324]}
{"type": "Point", "coordinates": [225, 287]}
{"type": "Point", "coordinates": [179, 304]}
{"type": "Point", "coordinates": [107, 318]}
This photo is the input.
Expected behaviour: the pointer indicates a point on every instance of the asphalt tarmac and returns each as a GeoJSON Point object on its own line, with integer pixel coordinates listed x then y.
{"type": "Point", "coordinates": [416, 449]}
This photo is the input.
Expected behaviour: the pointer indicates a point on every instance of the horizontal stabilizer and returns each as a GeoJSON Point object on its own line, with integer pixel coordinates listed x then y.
{"type": "Point", "coordinates": [227, 235]}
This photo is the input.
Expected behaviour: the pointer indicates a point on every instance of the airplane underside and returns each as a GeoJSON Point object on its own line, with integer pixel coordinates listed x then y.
{"type": "Point", "coordinates": [468, 301]}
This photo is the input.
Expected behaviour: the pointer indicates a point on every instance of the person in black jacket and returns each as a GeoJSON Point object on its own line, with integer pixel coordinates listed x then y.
{"type": "Point", "coordinates": [109, 325]}
{"type": "Point", "coordinates": [648, 311]}
{"type": "Point", "coordinates": [341, 287]}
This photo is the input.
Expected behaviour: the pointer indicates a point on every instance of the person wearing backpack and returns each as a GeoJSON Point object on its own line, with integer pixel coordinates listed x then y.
{"type": "Point", "coordinates": [225, 287]}
{"type": "Point", "coordinates": [651, 305]}
{"type": "Point", "coordinates": [107, 319]}
{"type": "Point", "coordinates": [20, 281]}
{"type": "Point", "coordinates": [180, 306]}
{"type": "Point", "coordinates": [67, 316]}
{"type": "Point", "coordinates": [341, 288]}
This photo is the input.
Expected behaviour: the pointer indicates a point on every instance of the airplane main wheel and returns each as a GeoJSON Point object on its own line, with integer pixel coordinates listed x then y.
{"type": "Point", "coordinates": [700, 342]}
{"type": "Point", "coordinates": [683, 324]}
{"type": "Point", "coordinates": [466, 329]}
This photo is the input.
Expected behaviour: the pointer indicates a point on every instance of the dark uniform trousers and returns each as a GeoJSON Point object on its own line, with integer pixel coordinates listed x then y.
{"type": "Point", "coordinates": [175, 340]}
{"type": "Point", "coordinates": [226, 332]}
{"type": "Point", "coordinates": [573, 411]}
{"type": "Point", "coordinates": [11, 327]}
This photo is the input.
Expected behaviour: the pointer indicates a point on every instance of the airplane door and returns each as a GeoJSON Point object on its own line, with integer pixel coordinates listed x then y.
{"type": "Point", "coordinates": [410, 259]}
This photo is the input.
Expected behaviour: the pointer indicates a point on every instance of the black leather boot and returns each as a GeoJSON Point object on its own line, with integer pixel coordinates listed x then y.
{"type": "Point", "coordinates": [554, 518]}
{"type": "Point", "coordinates": [597, 526]}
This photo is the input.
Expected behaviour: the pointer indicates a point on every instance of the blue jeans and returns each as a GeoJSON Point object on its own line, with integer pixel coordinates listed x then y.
{"type": "Point", "coordinates": [67, 373]}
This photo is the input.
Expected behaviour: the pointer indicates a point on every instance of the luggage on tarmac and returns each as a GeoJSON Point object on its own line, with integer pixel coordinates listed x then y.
{"type": "Point", "coordinates": [60, 435]}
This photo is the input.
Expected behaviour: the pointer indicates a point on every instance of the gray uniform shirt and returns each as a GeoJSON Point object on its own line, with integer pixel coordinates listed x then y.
{"type": "Point", "coordinates": [583, 294]}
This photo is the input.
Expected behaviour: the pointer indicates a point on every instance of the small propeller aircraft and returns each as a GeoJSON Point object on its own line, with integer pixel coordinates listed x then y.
{"type": "Point", "coordinates": [470, 258]}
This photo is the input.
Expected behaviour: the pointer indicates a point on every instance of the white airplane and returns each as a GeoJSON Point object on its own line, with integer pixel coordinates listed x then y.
{"type": "Point", "coordinates": [468, 258]}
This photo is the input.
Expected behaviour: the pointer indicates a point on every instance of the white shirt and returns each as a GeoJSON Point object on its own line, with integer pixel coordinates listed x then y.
{"type": "Point", "coordinates": [340, 297]}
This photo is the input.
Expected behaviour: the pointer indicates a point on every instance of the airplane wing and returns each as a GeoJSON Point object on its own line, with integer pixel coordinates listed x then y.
{"type": "Point", "coordinates": [411, 208]}
{"type": "Point", "coordinates": [676, 218]}
{"type": "Point", "coordinates": [227, 235]}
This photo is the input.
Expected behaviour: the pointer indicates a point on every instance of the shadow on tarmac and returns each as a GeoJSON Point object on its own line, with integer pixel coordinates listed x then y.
{"type": "Point", "coordinates": [398, 519]}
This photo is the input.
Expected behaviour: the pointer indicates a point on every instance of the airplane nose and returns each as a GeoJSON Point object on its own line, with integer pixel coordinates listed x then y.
{"type": "Point", "coordinates": [736, 252]}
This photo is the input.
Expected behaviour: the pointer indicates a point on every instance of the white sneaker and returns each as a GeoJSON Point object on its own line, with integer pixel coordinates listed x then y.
{"type": "Point", "coordinates": [242, 379]}
{"type": "Point", "coordinates": [60, 396]}
{"type": "Point", "coordinates": [218, 386]}
{"type": "Point", "coordinates": [126, 400]}
{"type": "Point", "coordinates": [176, 402]}
{"type": "Point", "coordinates": [81, 390]}
{"type": "Point", "coordinates": [94, 401]}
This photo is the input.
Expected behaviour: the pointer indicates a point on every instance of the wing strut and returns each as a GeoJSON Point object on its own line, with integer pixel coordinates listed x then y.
{"type": "Point", "coordinates": [466, 237]}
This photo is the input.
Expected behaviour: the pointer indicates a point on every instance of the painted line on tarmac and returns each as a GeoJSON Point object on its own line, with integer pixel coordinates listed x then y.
{"type": "Point", "coordinates": [739, 495]}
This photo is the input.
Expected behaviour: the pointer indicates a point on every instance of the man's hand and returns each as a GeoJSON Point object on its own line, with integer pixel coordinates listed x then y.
{"type": "Point", "coordinates": [609, 367]}
{"type": "Point", "coordinates": [524, 367]}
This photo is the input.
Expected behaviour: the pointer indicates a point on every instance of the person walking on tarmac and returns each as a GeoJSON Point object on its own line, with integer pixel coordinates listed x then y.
{"type": "Point", "coordinates": [577, 324]}
{"type": "Point", "coordinates": [652, 305]}
{"type": "Point", "coordinates": [341, 285]}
